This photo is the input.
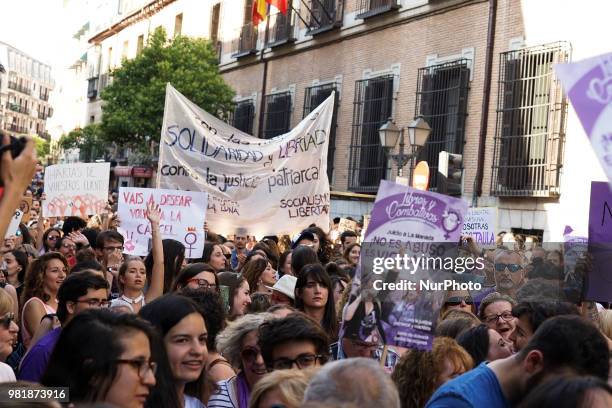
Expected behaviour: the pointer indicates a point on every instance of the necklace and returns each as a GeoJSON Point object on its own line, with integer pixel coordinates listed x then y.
{"type": "Point", "coordinates": [133, 301]}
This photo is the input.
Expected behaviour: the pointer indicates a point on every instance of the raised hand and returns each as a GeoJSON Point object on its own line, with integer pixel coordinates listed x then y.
{"type": "Point", "coordinates": [153, 213]}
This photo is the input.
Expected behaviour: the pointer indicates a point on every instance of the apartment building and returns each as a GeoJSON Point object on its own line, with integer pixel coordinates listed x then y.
{"type": "Point", "coordinates": [25, 85]}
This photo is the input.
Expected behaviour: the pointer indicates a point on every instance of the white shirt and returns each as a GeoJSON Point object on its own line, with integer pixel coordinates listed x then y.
{"type": "Point", "coordinates": [6, 373]}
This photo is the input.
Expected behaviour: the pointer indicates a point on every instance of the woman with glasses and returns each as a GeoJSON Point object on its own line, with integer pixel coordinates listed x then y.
{"type": "Point", "coordinates": [39, 297]}
{"type": "Point", "coordinates": [260, 275]}
{"type": "Point", "coordinates": [458, 299]}
{"type": "Point", "coordinates": [122, 375]}
{"type": "Point", "coordinates": [180, 323]}
{"type": "Point", "coordinates": [8, 335]}
{"type": "Point", "coordinates": [197, 276]}
{"type": "Point", "coordinates": [67, 247]}
{"type": "Point", "coordinates": [314, 295]}
{"type": "Point", "coordinates": [132, 276]}
{"type": "Point", "coordinates": [496, 312]}
{"type": "Point", "coordinates": [238, 343]}
{"type": "Point", "coordinates": [49, 239]}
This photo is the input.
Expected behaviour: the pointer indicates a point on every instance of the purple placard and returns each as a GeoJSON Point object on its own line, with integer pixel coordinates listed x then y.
{"type": "Point", "coordinates": [599, 286]}
{"type": "Point", "coordinates": [402, 215]}
{"type": "Point", "coordinates": [588, 84]}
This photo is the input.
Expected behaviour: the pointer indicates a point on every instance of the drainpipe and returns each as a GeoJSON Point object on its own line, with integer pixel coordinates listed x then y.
{"type": "Point", "coordinates": [486, 96]}
{"type": "Point", "coordinates": [262, 103]}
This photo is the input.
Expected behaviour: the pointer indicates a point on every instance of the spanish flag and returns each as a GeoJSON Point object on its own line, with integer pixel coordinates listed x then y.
{"type": "Point", "coordinates": [260, 9]}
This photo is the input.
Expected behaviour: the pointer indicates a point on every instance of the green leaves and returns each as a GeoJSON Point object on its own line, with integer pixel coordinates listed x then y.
{"type": "Point", "coordinates": [89, 140]}
{"type": "Point", "coordinates": [134, 102]}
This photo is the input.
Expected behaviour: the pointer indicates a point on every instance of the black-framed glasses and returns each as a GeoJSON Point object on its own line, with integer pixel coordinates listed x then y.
{"type": "Point", "coordinates": [101, 303]}
{"type": "Point", "coordinates": [507, 316]}
{"type": "Point", "coordinates": [5, 321]}
{"type": "Point", "coordinates": [302, 361]}
{"type": "Point", "coordinates": [499, 267]}
{"type": "Point", "coordinates": [203, 284]}
{"type": "Point", "coordinates": [250, 354]}
{"type": "Point", "coordinates": [140, 365]}
{"type": "Point", "coordinates": [456, 300]}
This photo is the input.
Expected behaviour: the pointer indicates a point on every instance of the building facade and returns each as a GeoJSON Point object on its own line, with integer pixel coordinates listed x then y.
{"type": "Point", "coordinates": [479, 71]}
{"type": "Point", "coordinates": [25, 86]}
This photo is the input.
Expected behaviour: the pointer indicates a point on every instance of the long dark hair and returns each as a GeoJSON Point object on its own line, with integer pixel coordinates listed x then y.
{"type": "Point", "coordinates": [318, 274]}
{"type": "Point", "coordinates": [166, 312]}
{"type": "Point", "coordinates": [26, 237]}
{"type": "Point", "coordinates": [325, 247]}
{"type": "Point", "coordinates": [174, 254]}
{"type": "Point", "coordinates": [33, 285]}
{"type": "Point", "coordinates": [252, 271]}
{"type": "Point", "coordinates": [22, 259]}
{"type": "Point", "coordinates": [476, 342]}
{"type": "Point", "coordinates": [76, 361]}
{"type": "Point", "coordinates": [189, 272]}
{"type": "Point", "coordinates": [233, 281]}
{"type": "Point", "coordinates": [281, 262]}
{"type": "Point", "coordinates": [302, 256]}
{"type": "Point", "coordinates": [46, 235]}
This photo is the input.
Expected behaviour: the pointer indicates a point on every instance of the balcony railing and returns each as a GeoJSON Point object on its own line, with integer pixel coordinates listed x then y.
{"type": "Point", "coordinates": [19, 88]}
{"type": "Point", "coordinates": [371, 8]}
{"type": "Point", "coordinates": [246, 43]}
{"type": "Point", "coordinates": [44, 96]}
{"type": "Point", "coordinates": [18, 108]}
{"type": "Point", "coordinates": [325, 15]}
{"type": "Point", "coordinates": [281, 29]}
{"type": "Point", "coordinates": [15, 128]}
{"type": "Point", "coordinates": [92, 87]}
{"type": "Point", "coordinates": [42, 115]}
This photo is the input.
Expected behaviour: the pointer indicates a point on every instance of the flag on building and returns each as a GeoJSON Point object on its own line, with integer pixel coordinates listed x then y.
{"type": "Point", "coordinates": [260, 9]}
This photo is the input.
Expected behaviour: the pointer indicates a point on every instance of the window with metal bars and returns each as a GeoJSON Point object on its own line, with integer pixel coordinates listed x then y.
{"type": "Point", "coordinates": [530, 125]}
{"type": "Point", "coordinates": [314, 96]}
{"type": "Point", "coordinates": [371, 8]}
{"type": "Point", "coordinates": [371, 108]}
{"type": "Point", "coordinates": [441, 99]}
{"type": "Point", "coordinates": [243, 116]}
{"type": "Point", "coordinates": [277, 117]}
{"type": "Point", "coordinates": [325, 15]}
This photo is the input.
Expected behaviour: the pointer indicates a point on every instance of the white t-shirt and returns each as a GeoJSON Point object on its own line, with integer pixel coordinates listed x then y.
{"type": "Point", "coordinates": [192, 402]}
{"type": "Point", "coordinates": [6, 373]}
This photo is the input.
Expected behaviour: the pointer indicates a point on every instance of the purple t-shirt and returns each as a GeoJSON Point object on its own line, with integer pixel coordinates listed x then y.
{"type": "Point", "coordinates": [35, 362]}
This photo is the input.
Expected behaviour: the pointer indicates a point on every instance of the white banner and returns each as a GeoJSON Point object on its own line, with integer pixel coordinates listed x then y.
{"type": "Point", "coordinates": [79, 189]}
{"type": "Point", "coordinates": [274, 186]}
{"type": "Point", "coordinates": [182, 219]}
{"type": "Point", "coordinates": [480, 223]}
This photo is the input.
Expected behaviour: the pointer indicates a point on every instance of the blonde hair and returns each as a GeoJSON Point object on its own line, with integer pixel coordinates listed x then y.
{"type": "Point", "coordinates": [605, 322]}
{"type": "Point", "coordinates": [291, 385]}
{"type": "Point", "coordinates": [6, 303]}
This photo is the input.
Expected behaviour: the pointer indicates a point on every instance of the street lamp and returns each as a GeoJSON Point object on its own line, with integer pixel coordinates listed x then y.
{"type": "Point", "coordinates": [418, 132]}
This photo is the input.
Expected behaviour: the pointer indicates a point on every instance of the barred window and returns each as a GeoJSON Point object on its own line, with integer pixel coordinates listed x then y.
{"type": "Point", "coordinates": [315, 95]}
{"type": "Point", "coordinates": [243, 116]}
{"type": "Point", "coordinates": [530, 125]}
{"type": "Point", "coordinates": [325, 15]}
{"type": "Point", "coordinates": [371, 108]}
{"type": "Point", "coordinates": [277, 117]}
{"type": "Point", "coordinates": [441, 99]}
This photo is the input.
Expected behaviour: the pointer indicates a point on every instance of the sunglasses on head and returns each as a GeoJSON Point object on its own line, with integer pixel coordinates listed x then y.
{"type": "Point", "coordinates": [456, 300]}
{"type": "Point", "coordinates": [500, 267]}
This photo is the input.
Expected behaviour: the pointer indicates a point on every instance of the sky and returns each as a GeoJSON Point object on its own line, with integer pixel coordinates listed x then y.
{"type": "Point", "coordinates": [39, 28]}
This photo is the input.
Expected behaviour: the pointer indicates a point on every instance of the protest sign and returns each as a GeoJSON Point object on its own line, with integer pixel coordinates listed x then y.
{"type": "Point", "coordinates": [394, 308]}
{"type": "Point", "coordinates": [599, 280]}
{"type": "Point", "coordinates": [14, 224]}
{"type": "Point", "coordinates": [25, 205]}
{"type": "Point", "coordinates": [588, 85]}
{"type": "Point", "coordinates": [79, 189]}
{"type": "Point", "coordinates": [480, 224]}
{"type": "Point", "coordinates": [268, 187]}
{"type": "Point", "coordinates": [347, 225]}
{"type": "Point", "coordinates": [182, 219]}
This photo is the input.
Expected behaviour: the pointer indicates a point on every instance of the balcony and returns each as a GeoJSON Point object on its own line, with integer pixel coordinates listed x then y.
{"type": "Point", "coordinates": [371, 8]}
{"type": "Point", "coordinates": [325, 15]}
{"type": "Point", "coordinates": [246, 43]}
{"type": "Point", "coordinates": [44, 96]}
{"type": "Point", "coordinates": [281, 29]}
{"type": "Point", "coordinates": [15, 128]}
{"type": "Point", "coordinates": [19, 88]}
{"type": "Point", "coordinates": [92, 88]}
{"type": "Point", "coordinates": [18, 108]}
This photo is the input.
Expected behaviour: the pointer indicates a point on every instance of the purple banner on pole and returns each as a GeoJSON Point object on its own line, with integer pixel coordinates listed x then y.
{"type": "Point", "coordinates": [588, 84]}
{"type": "Point", "coordinates": [599, 281]}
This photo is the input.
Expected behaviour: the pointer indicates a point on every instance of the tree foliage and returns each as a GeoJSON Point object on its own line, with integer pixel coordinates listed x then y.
{"type": "Point", "coordinates": [42, 147]}
{"type": "Point", "coordinates": [134, 102]}
{"type": "Point", "coordinates": [89, 140]}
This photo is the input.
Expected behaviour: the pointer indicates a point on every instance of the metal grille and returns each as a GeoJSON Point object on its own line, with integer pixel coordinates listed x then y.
{"type": "Point", "coordinates": [278, 114]}
{"type": "Point", "coordinates": [315, 95]}
{"type": "Point", "coordinates": [530, 125]}
{"type": "Point", "coordinates": [243, 116]}
{"type": "Point", "coordinates": [441, 99]}
{"type": "Point", "coordinates": [371, 108]}
{"type": "Point", "coordinates": [370, 8]}
{"type": "Point", "coordinates": [281, 29]}
{"type": "Point", "coordinates": [246, 41]}
{"type": "Point", "coordinates": [325, 15]}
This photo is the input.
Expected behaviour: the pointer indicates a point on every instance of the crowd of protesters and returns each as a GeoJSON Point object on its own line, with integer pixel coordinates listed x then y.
{"type": "Point", "coordinates": [257, 323]}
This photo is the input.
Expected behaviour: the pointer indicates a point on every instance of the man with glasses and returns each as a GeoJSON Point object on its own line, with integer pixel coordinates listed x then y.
{"type": "Point", "coordinates": [109, 251]}
{"type": "Point", "coordinates": [295, 341]}
{"type": "Point", "coordinates": [509, 272]}
{"type": "Point", "coordinates": [80, 291]}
